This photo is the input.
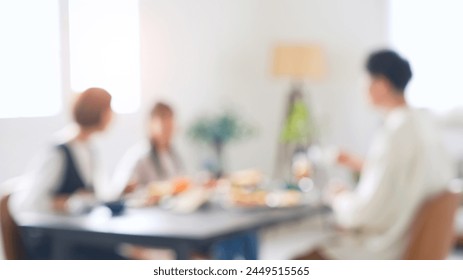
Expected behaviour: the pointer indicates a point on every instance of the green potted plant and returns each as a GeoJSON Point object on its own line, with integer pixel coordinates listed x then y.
{"type": "Point", "coordinates": [218, 131]}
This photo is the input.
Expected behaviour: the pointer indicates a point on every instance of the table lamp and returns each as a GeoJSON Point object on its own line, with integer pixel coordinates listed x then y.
{"type": "Point", "coordinates": [298, 63]}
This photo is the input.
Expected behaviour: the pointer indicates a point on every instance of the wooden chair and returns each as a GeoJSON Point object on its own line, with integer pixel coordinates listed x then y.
{"type": "Point", "coordinates": [459, 218]}
{"type": "Point", "coordinates": [433, 231]}
{"type": "Point", "coordinates": [12, 242]}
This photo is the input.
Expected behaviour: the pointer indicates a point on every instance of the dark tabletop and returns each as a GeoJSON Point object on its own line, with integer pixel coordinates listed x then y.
{"type": "Point", "coordinates": [154, 222]}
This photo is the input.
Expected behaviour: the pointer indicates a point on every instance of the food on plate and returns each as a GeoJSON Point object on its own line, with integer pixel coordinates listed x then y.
{"type": "Point", "coordinates": [180, 185]}
{"type": "Point", "coordinates": [263, 198]}
{"type": "Point", "coordinates": [243, 198]}
{"type": "Point", "coordinates": [246, 178]}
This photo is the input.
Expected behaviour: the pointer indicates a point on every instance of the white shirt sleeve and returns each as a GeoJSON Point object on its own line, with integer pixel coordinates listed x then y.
{"type": "Point", "coordinates": [102, 187]}
{"type": "Point", "coordinates": [40, 182]}
{"type": "Point", "coordinates": [371, 205]}
{"type": "Point", "coordinates": [126, 169]}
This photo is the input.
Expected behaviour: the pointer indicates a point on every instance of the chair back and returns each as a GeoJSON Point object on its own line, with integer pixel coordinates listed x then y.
{"type": "Point", "coordinates": [432, 233]}
{"type": "Point", "coordinates": [11, 238]}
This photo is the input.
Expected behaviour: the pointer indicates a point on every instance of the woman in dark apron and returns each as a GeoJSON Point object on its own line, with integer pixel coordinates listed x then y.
{"type": "Point", "coordinates": [64, 180]}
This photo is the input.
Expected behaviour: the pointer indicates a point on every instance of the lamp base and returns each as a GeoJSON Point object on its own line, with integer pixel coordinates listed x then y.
{"type": "Point", "coordinates": [295, 134]}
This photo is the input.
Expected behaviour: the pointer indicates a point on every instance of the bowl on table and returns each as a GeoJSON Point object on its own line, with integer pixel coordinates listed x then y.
{"type": "Point", "coordinates": [117, 207]}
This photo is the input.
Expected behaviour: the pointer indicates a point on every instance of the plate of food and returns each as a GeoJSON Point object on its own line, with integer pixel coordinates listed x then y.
{"type": "Point", "coordinates": [250, 191]}
{"type": "Point", "coordinates": [264, 199]}
{"type": "Point", "coordinates": [154, 192]}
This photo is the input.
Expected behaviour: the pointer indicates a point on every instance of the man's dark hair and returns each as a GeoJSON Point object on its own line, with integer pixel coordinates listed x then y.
{"type": "Point", "coordinates": [390, 65]}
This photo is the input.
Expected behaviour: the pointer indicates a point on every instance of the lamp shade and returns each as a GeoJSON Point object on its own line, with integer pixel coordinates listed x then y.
{"type": "Point", "coordinates": [299, 62]}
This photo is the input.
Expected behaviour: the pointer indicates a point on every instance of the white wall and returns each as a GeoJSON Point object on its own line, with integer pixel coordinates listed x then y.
{"type": "Point", "coordinates": [206, 52]}
{"type": "Point", "coordinates": [206, 55]}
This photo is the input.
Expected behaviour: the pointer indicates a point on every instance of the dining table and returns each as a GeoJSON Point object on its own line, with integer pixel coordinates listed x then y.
{"type": "Point", "coordinates": [156, 227]}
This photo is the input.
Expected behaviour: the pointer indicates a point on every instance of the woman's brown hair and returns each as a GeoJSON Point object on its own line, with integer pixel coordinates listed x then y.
{"type": "Point", "coordinates": [161, 110]}
{"type": "Point", "coordinates": [90, 106]}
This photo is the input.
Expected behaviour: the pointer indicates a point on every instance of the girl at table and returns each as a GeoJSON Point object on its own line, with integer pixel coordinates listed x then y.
{"type": "Point", "coordinates": [151, 160]}
{"type": "Point", "coordinates": [154, 159]}
{"type": "Point", "coordinates": [157, 160]}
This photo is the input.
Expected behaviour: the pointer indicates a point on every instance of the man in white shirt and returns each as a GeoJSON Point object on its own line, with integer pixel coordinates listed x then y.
{"type": "Point", "coordinates": [405, 165]}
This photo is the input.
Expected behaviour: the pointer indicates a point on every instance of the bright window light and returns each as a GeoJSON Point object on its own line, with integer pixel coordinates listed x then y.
{"type": "Point", "coordinates": [105, 49]}
{"type": "Point", "coordinates": [30, 80]}
{"type": "Point", "coordinates": [428, 33]}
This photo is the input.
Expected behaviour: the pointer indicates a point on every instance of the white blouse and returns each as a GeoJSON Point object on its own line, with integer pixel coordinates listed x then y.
{"type": "Point", "coordinates": [44, 175]}
{"type": "Point", "coordinates": [137, 165]}
{"type": "Point", "coordinates": [406, 164]}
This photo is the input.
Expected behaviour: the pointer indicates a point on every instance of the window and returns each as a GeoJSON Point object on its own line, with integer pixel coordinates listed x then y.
{"type": "Point", "coordinates": [30, 80]}
{"type": "Point", "coordinates": [428, 33]}
{"type": "Point", "coordinates": [104, 49]}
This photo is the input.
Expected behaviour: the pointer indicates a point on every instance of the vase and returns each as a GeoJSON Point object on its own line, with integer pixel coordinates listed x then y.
{"type": "Point", "coordinates": [218, 146]}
